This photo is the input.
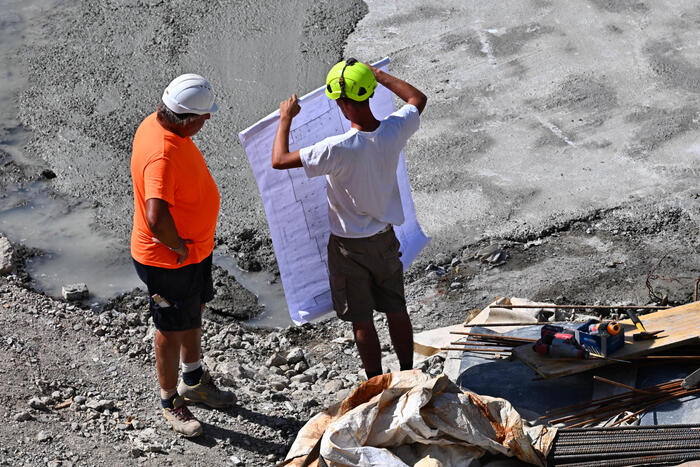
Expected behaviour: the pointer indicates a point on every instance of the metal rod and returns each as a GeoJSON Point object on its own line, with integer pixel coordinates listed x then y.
{"type": "Point", "coordinates": [486, 325]}
{"type": "Point", "coordinates": [591, 307]}
{"type": "Point", "coordinates": [464, 333]}
{"type": "Point", "coordinates": [487, 347]}
{"type": "Point", "coordinates": [468, 349]}
{"type": "Point", "coordinates": [628, 428]}
{"type": "Point", "coordinates": [604, 409]}
{"type": "Point", "coordinates": [615, 383]}
{"type": "Point", "coordinates": [613, 455]}
{"type": "Point", "coordinates": [599, 401]}
{"type": "Point", "coordinates": [645, 460]}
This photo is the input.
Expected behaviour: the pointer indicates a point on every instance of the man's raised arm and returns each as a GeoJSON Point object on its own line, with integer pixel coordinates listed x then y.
{"type": "Point", "coordinates": [401, 88]}
{"type": "Point", "coordinates": [281, 157]}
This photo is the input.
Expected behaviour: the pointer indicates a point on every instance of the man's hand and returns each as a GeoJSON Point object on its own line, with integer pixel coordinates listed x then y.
{"type": "Point", "coordinates": [399, 87]}
{"type": "Point", "coordinates": [281, 157]}
{"type": "Point", "coordinates": [182, 251]}
{"type": "Point", "coordinates": [290, 108]}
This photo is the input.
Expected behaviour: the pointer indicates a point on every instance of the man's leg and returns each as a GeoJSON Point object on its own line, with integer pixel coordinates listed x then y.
{"type": "Point", "coordinates": [368, 345]}
{"type": "Point", "coordinates": [401, 333]}
{"type": "Point", "coordinates": [196, 384]}
{"type": "Point", "coordinates": [167, 347]}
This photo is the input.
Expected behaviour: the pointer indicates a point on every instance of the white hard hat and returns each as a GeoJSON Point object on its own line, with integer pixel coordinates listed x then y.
{"type": "Point", "coordinates": [190, 93]}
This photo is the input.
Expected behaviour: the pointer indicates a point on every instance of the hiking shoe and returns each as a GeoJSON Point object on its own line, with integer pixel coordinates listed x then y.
{"type": "Point", "coordinates": [181, 419]}
{"type": "Point", "coordinates": [206, 393]}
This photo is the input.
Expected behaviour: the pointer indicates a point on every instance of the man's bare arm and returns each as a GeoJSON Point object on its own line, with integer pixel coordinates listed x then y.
{"type": "Point", "coordinates": [163, 228]}
{"type": "Point", "coordinates": [401, 88]}
{"type": "Point", "coordinates": [281, 157]}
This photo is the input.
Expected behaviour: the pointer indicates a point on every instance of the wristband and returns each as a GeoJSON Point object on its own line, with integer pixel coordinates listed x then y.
{"type": "Point", "coordinates": [181, 245]}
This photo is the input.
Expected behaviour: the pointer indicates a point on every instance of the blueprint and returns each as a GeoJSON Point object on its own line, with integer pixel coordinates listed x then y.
{"type": "Point", "coordinates": [297, 208]}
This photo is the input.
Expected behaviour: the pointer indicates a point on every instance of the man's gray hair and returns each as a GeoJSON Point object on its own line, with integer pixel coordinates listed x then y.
{"type": "Point", "coordinates": [179, 120]}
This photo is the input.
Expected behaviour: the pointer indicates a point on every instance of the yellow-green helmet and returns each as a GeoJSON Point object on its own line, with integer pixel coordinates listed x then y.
{"type": "Point", "coordinates": [351, 79]}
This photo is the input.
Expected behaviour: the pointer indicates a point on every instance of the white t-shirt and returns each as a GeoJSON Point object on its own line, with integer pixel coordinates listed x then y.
{"type": "Point", "coordinates": [360, 169]}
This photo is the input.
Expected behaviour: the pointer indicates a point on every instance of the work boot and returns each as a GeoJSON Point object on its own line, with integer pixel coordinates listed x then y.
{"type": "Point", "coordinates": [207, 393]}
{"type": "Point", "coordinates": [181, 419]}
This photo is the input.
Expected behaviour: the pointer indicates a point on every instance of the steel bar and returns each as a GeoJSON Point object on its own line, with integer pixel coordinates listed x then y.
{"type": "Point", "coordinates": [630, 461]}
{"type": "Point", "coordinates": [663, 438]}
{"type": "Point", "coordinates": [628, 446]}
{"type": "Point", "coordinates": [484, 347]}
{"type": "Point", "coordinates": [570, 408]}
{"type": "Point", "coordinates": [676, 395]}
{"type": "Point", "coordinates": [486, 325]}
{"type": "Point", "coordinates": [678, 426]}
{"type": "Point", "coordinates": [604, 411]}
{"type": "Point", "coordinates": [479, 343]}
{"type": "Point", "coordinates": [467, 349]}
{"type": "Point", "coordinates": [590, 307]}
{"type": "Point", "coordinates": [492, 336]}
{"type": "Point", "coordinates": [650, 403]}
{"type": "Point", "coordinates": [613, 455]}
{"type": "Point", "coordinates": [615, 383]}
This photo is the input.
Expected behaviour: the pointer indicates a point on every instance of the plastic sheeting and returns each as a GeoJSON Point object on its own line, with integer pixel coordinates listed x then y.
{"type": "Point", "coordinates": [410, 418]}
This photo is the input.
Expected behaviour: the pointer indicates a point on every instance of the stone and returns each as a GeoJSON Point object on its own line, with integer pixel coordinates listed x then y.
{"type": "Point", "coordinates": [6, 252]}
{"type": "Point", "coordinates": [301, 367]}
{"type": "Point", "coordinates": [75, 291]}
{"type": "Point", "coordinates": [332, 387]}
{"type": "Point", "coordinates": [302, 378]}
{"type": "Point", "coordinates": [236, 370]}
{"type": "Point", "coordinates": [343, 340]}
{"type": "Point", "coordinates": [276, 360]}
{"type": "Point", "coordinates": [43, 436]}
{"type": "Point", "coordinates": [295, 355]}
{"type": "Point", "coordinates": [79, 399]}
{"type": "Point", "coordinates": [37, 404]}
{"type": "Point", "coordinates": [23, 417]}
{"type": "Point", "coordinates": [100, 405]}
{"type": "Point", "coordinates": [456, 285]}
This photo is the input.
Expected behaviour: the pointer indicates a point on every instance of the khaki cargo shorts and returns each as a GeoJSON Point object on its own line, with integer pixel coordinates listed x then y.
{"type": "Point", "coordinates": [366, 274]}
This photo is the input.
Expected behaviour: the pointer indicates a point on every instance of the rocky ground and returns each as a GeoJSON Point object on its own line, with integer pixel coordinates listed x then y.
{"type": "Point", "coordinates": [80, 382]}
{"type": "Point", "coordinates": [507, 173]}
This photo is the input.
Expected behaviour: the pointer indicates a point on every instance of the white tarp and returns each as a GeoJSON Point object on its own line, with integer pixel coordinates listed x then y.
{"type": "Point", "coordinates": [409, 418]}
{"type": "Point", "coordinates": [296, 206]}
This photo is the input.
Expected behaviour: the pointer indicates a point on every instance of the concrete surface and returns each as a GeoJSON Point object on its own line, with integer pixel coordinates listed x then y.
{"type": "Point", "coordinates": [543, 109]}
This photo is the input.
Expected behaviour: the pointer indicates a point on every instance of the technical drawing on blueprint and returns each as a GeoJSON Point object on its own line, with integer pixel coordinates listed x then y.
{"type": "Point", "coordinates": [297, 208]}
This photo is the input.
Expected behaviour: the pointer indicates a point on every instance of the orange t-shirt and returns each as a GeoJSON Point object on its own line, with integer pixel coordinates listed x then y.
{"type": "Point", "coordinates": [169, 167]}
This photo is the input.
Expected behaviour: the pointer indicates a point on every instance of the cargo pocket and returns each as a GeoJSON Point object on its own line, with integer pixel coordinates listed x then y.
{"type": "Point", "coordinates": [339, 294]}
{"type": "Point", "coordinates": [392, 257]}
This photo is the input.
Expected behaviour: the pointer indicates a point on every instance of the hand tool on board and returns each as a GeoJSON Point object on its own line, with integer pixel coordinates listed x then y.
{"type": "Point", "coordinates": [643, 334]}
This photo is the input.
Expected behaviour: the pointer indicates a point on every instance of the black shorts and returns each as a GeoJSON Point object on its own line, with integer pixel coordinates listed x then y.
{"type": "Point", "coordinates": [366, 274]}
{"type": "Point", "coordinates": [185, 289]}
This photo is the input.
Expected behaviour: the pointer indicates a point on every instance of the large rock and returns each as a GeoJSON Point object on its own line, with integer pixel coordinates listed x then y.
{"type": "Point", "coordinates": [295, 355]}
{"type": "Point", "coordinates": [75, 291]}
{"type": "Point", "coordinates": [6, 266]}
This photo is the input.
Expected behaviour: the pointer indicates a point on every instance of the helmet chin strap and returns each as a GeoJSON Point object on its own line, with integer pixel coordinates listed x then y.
{"type": "Point", "coordinates": [341, 81]}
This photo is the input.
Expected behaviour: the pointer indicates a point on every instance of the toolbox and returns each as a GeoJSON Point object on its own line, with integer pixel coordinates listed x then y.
{"type": "Point", "coordinates": [601, 343]}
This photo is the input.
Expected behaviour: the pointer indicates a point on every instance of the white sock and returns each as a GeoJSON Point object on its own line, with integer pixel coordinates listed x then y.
{"type": "Point", "coordinates": [167, 393]}
{"type": "Point", "coordinates": [187, 367]}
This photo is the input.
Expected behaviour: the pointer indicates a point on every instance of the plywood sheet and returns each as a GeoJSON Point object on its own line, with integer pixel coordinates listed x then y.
{"type": "Point", "coordinates": [681, 325]}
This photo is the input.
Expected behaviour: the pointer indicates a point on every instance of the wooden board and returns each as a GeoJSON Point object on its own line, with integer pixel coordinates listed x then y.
{"type": "Point", "coordinates": [681, 325]}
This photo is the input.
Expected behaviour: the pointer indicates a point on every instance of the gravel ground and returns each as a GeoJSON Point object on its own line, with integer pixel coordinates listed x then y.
{"type": "Point", "coordinates": [78, 382]}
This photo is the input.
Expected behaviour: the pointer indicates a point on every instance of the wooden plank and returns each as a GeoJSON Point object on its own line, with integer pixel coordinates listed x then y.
{"type": "Point", "coordinates": [681, 326]}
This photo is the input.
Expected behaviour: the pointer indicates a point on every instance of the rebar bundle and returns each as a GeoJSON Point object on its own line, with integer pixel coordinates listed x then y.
{"type": "Point", "coordinates": [490, 344]}
{"type": "Point", "coordinates": [635, 401]}
{"type": "Point", "coordinates": [625, 446]}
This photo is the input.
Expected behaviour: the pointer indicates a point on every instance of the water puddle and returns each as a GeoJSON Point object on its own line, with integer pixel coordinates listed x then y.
{"type": "Point", "coordinates": [73, 251]}
{"type": "Point", "coordinates": [270, 295]}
